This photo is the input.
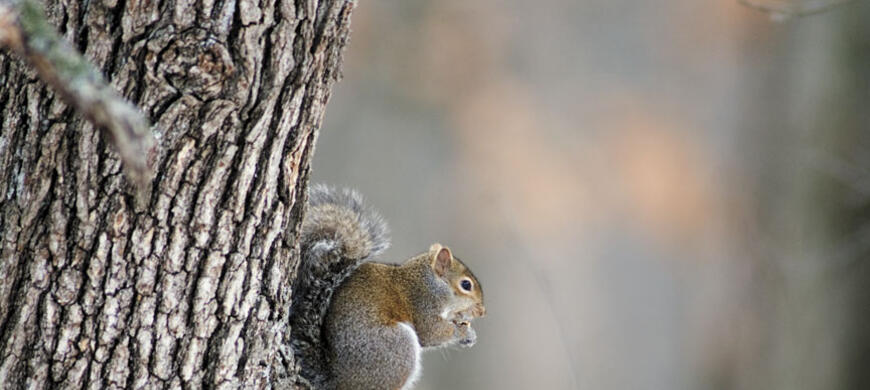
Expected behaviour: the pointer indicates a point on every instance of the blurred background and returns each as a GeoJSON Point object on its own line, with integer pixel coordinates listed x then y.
{"type": "Point", "coordinates": [654, 194]}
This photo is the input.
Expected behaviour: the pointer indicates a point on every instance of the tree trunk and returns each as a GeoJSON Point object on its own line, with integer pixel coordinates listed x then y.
{"type": "Point", "coordinates": [192, 290]}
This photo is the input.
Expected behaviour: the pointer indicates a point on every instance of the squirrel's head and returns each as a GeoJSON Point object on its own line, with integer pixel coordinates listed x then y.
{"type": "Point", "coordinates": [467, 292]}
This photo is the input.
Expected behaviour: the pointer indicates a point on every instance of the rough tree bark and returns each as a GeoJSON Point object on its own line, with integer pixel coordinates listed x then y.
{"type": "Point", "coordinates": [193, 289]}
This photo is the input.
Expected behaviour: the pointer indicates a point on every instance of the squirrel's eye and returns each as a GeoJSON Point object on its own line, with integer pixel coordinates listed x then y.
{"type": "Point", "coordinates": [466, 285]}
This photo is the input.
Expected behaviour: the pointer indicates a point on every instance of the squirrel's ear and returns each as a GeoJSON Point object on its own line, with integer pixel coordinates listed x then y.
{"type": "Point", "coordinates": [442, 259]}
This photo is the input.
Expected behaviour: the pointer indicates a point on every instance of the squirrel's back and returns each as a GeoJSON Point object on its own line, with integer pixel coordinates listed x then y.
{"type": "Point", "coordinates": [339, 232]}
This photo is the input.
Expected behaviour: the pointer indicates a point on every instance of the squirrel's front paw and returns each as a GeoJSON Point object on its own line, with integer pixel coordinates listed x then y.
{"type": "Point", "coordinates": [466, 336]}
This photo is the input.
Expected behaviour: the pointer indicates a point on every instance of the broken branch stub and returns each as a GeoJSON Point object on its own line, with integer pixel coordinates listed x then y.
{"type": "Point", "coordinates": [25, 32]}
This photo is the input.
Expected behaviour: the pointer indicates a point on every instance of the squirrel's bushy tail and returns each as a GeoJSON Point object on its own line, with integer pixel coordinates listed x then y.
{"type": "Point", "coordinates": [339, 232]}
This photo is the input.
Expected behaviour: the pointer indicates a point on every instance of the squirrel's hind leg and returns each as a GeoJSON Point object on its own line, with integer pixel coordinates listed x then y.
{"type": "Point", "coordinates": [393, 363]}
{"type": "Point", "coordinates": [417, 367]}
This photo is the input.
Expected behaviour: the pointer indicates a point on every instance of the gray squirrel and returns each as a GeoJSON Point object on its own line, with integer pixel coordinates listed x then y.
{"type": "Point", "coordinates": [361, 324]}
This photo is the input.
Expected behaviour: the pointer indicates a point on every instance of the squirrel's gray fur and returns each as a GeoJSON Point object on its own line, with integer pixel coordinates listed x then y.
{"type": "Point", "coordinates": [339, 232]}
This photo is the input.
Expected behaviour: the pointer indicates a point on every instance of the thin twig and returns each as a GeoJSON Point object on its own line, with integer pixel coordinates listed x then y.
{"type": "Point", "coordinates": [25, 31]}
{"type": "Point", "coordinates": [792, 8]}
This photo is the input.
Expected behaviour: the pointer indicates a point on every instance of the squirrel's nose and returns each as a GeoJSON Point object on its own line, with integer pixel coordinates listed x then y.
{"type": "Point", "coordinates": [479, 310]}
